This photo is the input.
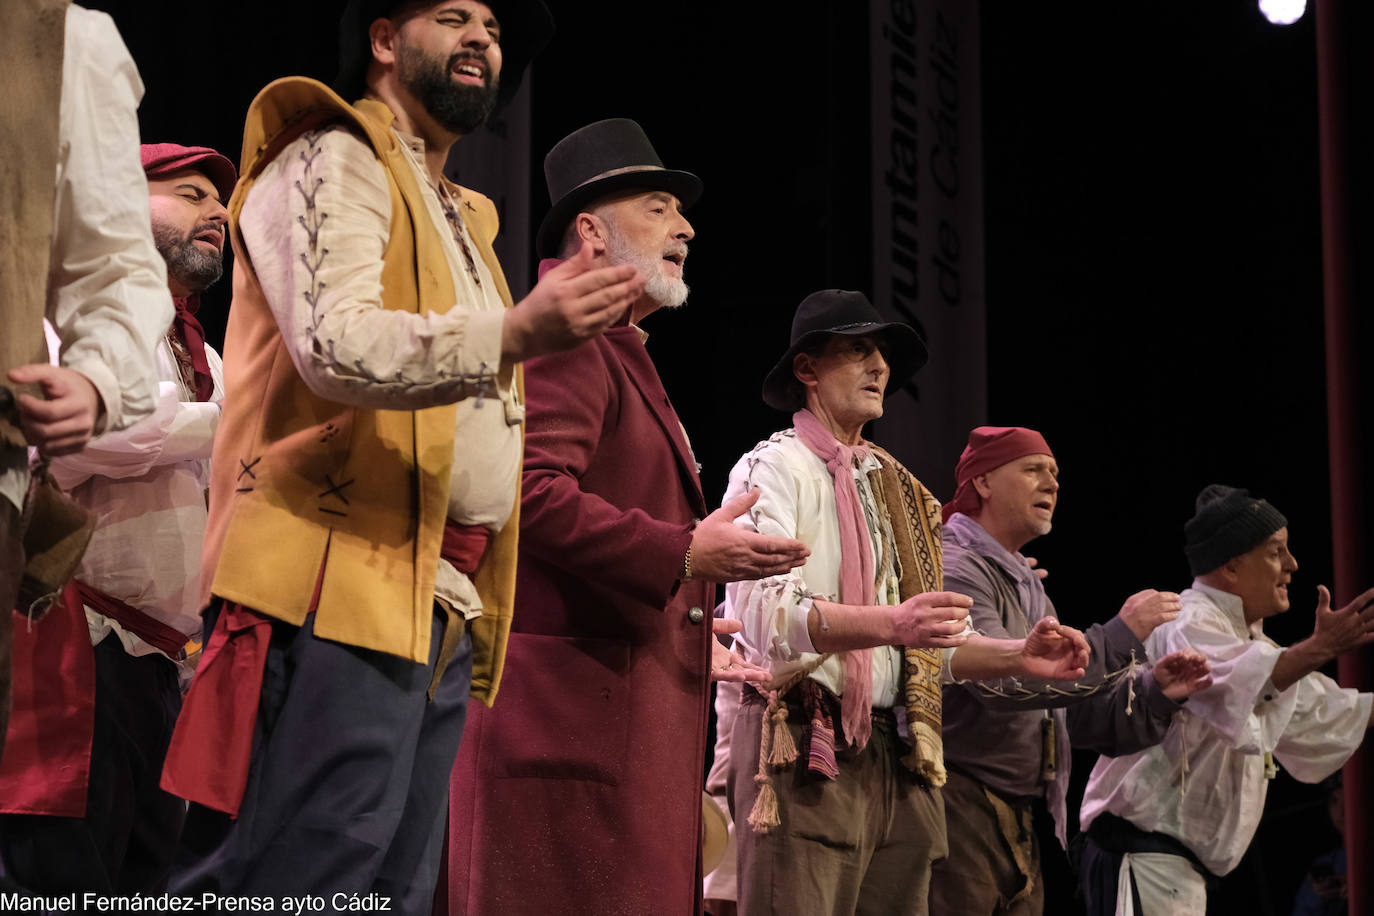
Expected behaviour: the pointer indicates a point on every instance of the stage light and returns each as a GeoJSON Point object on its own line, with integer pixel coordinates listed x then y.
{"type": "Point", "coordinates": [1282, 12]}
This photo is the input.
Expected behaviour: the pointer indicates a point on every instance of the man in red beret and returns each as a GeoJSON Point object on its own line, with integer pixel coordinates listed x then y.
{"type": "Point", "coordinates": [79, 784]}
{"type": "Point", "coordinates": [1006, 751]}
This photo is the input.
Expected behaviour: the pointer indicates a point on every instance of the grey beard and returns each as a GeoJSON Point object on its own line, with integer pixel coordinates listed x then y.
{"type": "Point", "coordinates": [665, 292]}
{"type": "Point", "coordinates": [458, 108]}
{"type": "Point", "coordinates": [192, 269]}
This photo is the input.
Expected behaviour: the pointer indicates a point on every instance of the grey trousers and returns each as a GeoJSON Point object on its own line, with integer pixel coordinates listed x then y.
{"type": "Point", "coordinates": [862, 843]}
{"type": "Point", "coordinates": [981, 877]}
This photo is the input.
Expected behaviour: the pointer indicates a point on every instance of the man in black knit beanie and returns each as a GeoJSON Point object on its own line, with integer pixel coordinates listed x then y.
{"type": "Point", "coordinates": [1161, 822]}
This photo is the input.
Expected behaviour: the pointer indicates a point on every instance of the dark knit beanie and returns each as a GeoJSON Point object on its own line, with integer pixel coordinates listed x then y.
{"type": "Point", "coordinates": [1228, 522]}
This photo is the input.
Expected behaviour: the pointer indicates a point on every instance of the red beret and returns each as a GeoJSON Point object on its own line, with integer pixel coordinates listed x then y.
{"type": "Point", "coordinates": [990, 447]}
{"type": "Point", "coordinates": [161, 159]}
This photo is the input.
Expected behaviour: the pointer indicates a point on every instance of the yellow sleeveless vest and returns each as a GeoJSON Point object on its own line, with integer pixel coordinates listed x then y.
{"type": "Point", "coordinates": [304, 489]}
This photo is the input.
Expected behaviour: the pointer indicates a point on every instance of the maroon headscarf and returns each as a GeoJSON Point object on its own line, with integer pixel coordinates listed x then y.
{"type": "Point", "coordinates": [990, 447]}
{"type": "Point", "coordinates": [160, 160]}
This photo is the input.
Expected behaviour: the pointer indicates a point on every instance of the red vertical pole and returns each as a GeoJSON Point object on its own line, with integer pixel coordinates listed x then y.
{"type": "Point", "coordinates": [1346, 215]}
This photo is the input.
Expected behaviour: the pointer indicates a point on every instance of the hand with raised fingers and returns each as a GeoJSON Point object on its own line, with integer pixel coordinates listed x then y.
{"type": "Point", "coordinates": [1054, 652]}
{"type": "Point", "coordinates": [1183, 673]}
{"type": "Point", "coordinates": [728, 665]}
{"type": "Point", "coordinates": [1034, 564]}
{"type": "Point", "coordinates": [1339, 631]}
{"type": "Point", "coordinates": [931, 620]}
{"type": "Point", "coordinates": [60, 422]}
{"type": "Point", "coordinates": [1147, 609]}
{"type": "Point", "coordinates": [724, 552]}
{"type": "Point", "coordinates": [571, 304]}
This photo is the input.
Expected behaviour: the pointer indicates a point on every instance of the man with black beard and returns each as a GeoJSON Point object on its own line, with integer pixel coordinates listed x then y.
{"type": "Point", "coordinates": [80, 782]}
{"type": "Point", "coordinates": [360, 558]}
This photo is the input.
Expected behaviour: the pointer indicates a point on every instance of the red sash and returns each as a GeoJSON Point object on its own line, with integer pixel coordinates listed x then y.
{"type": "Point", "coordinates": [464, 545]}
{"type": "Point", "coordinates": [47, 760]}
{"type": "Point", "coordinates": [167, 640]}
{"type": "Point", "coordinates": [212, 745]}
{"type": "Point", "coordinates": [207, 760]}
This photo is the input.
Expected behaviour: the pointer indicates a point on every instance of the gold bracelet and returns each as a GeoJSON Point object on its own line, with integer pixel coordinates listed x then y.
{"type": "Point", "coordinates": [687, 564]}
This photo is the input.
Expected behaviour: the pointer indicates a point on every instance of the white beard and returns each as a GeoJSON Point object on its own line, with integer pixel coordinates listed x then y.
{"type": "Point", "coordinates": [665, 291]}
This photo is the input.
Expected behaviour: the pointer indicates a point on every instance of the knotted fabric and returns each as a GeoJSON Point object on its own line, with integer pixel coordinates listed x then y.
{"type": "Point", "coordinates": [856, 566]}
{"type": "Point", "coordinates": [189, 331]}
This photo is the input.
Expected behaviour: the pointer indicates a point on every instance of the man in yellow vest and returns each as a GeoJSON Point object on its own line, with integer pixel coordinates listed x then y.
{"type": "Point", "coordinates": [360, 555]}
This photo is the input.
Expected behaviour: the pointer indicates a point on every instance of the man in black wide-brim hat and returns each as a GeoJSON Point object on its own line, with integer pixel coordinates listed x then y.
{"type": "Point", "coordinates": [597, 741]}
{"type": "Point", "coordinates": [857, 641]}
{"type": "Point", "coordinates": [360, 551]}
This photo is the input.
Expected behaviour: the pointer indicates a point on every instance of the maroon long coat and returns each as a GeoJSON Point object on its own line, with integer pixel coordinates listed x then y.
{"type": "Point", "coordinates": [580, 790]}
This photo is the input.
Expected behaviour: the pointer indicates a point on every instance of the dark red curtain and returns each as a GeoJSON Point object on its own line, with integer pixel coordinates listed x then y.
{"type": "Point", "coordinates": [1345, 78]}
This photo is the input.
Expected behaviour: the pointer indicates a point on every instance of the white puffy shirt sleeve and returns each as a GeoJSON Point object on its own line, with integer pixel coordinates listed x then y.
{"type": "Point", "coordinates": [176, 431]}
{"type": "Point", "coordinates": [107, 286]}
{"type": "Point", "coordinates": [316, 224]}
{"type": "Point", "coordinates": [773, 611]}
{"type": "Point", "coordinates": [1329, 722]}
{"type": "Point", "coordinates": [1242, 704]}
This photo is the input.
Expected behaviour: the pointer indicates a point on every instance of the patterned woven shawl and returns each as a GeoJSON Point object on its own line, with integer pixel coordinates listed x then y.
{"type": "Point", "coordinates": [914, 516]}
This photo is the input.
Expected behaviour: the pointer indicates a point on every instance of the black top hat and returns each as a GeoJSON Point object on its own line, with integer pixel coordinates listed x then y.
{"type": "Point", "coordinates": [600, 159]}
{"type": "Point", "coordinates": [526, 26]}
{"type": "Point", "coordinates": [841, 311]}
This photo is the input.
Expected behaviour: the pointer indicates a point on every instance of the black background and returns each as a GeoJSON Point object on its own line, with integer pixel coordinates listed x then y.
{"type": "Point", "coordinates": [1153, 250]}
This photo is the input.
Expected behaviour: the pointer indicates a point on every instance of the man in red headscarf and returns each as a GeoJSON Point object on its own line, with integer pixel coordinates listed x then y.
{"type": "Point", "coordinates": [79, 782]}
{"type": "Point", "coordinates": [1005, 749]}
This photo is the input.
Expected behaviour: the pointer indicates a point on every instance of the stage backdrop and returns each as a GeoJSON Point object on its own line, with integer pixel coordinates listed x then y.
{"type": "Point", "coordinates": [927, 192]}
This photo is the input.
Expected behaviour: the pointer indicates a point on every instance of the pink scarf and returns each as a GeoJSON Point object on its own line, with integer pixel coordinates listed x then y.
{"type": "Point", "coordinates": [856, 566]}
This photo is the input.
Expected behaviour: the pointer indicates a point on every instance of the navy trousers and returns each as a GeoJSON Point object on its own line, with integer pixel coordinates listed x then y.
{"type": "Point", "coordinates": [348, 783]}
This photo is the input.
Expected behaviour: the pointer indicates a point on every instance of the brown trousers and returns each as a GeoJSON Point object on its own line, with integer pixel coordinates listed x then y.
{"type": "Point", "coordinates": [981, 877]}
{"type": "Point", "coordinates": [863, 843]}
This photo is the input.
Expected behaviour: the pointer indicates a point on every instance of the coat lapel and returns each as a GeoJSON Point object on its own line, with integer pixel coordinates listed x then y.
{"type": "Point", "coordinates": [628, 345]}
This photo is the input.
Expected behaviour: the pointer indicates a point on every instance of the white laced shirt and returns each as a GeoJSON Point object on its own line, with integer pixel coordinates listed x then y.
{"type": "Point", "coordinates": [1222, 735]}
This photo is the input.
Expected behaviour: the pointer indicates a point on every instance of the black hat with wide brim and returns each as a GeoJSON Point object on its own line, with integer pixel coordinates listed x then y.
{"type": "Point", "coordinates": [604, 158]}
{"type": "Point", "coordinates": [841, 311]}
{"type": "Point", "coordinates": [526, 27]}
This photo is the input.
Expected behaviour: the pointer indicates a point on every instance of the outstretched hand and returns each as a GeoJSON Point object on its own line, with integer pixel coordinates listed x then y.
{"type": "Point", "coordinates": [1054, 652]}
{"type": "Point", "coordinates": [1345, 629]}
{"type": "Point", "coordinates": [931, 620]}
{"type": "Point", "coordinates": [1034, 564]}
{"type": "Point", "coordinates": [572, 303]}
{"type": "Point", "coordinates": [724, 552]}
{"type": "Point", "coordinates": [60, 422]}
{"type": "Point", "coordinates": [1183, 673]}
{"type": "Point", "coordinates": [1147, 609]}
{"type": "Point", "coordinates": [728, 665]}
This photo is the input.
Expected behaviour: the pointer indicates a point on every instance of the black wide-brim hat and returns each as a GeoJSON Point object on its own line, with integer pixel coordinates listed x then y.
{"type": "Point", "coordinates": [841, 311]}
{"type": "Point", "coordinates": [526, 27]}
{"type": "Point", "coordinates": [600, 159]}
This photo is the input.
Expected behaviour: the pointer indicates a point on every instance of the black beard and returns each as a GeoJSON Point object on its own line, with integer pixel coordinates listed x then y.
{"type": "Point", "coordinates": [458, 108]}
{"type": "Point", "coordinates": [192, 269]}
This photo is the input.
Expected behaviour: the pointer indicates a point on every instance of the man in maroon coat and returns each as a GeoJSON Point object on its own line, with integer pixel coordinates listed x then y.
{"type": "Point", "coordinates": [581, 788]}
